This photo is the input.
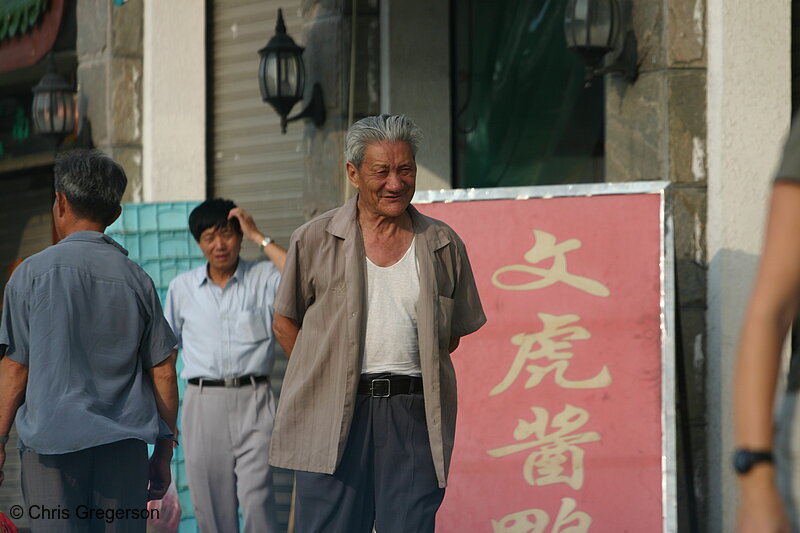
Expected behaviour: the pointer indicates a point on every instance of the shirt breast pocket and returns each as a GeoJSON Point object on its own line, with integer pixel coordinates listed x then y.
{"type": "Point", "coordinates": [251, 326]}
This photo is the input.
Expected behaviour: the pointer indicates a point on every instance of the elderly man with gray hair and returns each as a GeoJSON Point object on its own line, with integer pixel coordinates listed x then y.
{"type": "Point", "coordinates": [87, 365]}
{"type": "Point", "coordinates": [374, 298]}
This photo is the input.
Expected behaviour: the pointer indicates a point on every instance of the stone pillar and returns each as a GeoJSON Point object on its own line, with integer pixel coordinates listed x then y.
{"type": "Point", "coordinates": [174, 118]}
{"type": "Point", "coordinates": [109, 50]}
{"type": "Point", "coordinates": [656, 130]}
{"type": "Point", "coordinates": [327, 59]}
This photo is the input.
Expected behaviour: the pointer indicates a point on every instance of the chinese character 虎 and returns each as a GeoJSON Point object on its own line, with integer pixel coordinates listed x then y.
{"type": "Point", "coordinates": [552, 344]}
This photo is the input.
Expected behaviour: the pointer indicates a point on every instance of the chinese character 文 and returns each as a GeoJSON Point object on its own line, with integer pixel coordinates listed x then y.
{"type": "Point", "coordinates": [544, 248]}
{"type": "Point", "coordinates": [555, 457]}
{"type": "Point", "coordinates": [552, 344]}
{"type": "Point", "coordinates": [536, 520]}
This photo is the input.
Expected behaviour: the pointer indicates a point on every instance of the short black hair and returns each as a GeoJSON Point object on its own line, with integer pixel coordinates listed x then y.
{"type": "Point", "coordinates": [212, 214]}
{"type": "Point", "coordinates": [92, 182]}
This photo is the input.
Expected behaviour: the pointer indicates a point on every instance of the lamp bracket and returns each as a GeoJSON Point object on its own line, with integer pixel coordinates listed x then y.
{"type": "Point", "coordinates": [626, 62]}
{"type": "Point", "coordinates": [315, 110]}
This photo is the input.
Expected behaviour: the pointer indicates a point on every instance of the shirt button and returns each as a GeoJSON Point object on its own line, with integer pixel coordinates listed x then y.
{"type": "Point", "coordinates": [353, 315]}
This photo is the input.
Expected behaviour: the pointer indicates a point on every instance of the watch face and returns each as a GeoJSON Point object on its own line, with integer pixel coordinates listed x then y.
{"type": "Point", "coordinates": [742, 461]}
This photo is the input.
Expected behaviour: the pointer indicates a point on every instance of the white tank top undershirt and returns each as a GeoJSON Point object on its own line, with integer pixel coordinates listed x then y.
{"type": "Point", "coordinates": [391, 344]}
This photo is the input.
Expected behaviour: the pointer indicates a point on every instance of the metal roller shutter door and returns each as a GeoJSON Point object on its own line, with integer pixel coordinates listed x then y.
{"type": "Point", "coordinates": [254, 164]}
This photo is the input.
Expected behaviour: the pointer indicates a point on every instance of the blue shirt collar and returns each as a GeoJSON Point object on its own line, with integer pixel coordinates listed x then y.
{"type": "Point", "coordinates": [202, 273]}
{"type": "Point", "coordinates": [95, 237]}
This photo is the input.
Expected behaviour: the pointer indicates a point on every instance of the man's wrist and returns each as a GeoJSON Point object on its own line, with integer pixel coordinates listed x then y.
{"type": "Point", "coordinates": [170, 438]}
{"type": "Point", "coordinates": [163, 448]}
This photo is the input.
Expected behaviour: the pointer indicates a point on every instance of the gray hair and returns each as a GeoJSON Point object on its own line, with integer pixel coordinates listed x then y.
{"type": "Point", "coordinates": [92, 182]}
{"type": "Point", "coordinates": [380, 128]}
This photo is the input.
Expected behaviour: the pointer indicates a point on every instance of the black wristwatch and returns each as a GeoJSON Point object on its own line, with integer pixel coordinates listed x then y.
{"type": "Point", "coordinates": [744, 459]}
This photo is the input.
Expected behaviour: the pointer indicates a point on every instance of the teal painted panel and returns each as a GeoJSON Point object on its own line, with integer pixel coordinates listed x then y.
{"type": "Point", "coordinates": [178, 244]}
{"type": "Point", "coordinates": [153, 217]}
{"type": "Point", "coordinates": [164, 270]}
{"type": "Point", "coordinates": [188, 525]}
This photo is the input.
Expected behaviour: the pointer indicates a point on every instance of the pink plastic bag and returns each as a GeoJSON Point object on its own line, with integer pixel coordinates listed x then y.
{"type": "Point", "coordinates": [165, 514]}
{"type": "Point", "coordinates": [7, 526]}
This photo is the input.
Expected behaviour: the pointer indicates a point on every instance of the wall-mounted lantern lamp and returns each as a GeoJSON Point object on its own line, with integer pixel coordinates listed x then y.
{"type": "Point", "coordinates": [55, 109]}
{"type": "Point", "coordinates": [281, 78]}
{"type": "Point", "coordinates": [593, 30]}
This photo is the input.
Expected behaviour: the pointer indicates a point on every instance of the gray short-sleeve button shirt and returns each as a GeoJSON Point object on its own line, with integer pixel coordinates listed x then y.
{"type": "Point", "coordinates": [87, 323]}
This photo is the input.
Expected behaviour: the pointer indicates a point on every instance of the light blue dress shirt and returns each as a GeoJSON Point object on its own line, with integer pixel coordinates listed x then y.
{"type": "Point", "coordinates": [224, 332]}
{"type": "Point", "coordinates": [87, 323]}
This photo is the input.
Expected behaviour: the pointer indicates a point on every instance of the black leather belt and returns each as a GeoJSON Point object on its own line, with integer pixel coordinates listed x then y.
{"type": "Point", "coordinates": [385, 386]}
{"type": "Point", "coordinates": [228, 382]}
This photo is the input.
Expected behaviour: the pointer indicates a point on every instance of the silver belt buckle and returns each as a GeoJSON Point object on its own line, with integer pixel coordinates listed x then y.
{"type": "Point", "coordinates": [232, 382]}
{"type": "Point", "coordinates": [388, 388]}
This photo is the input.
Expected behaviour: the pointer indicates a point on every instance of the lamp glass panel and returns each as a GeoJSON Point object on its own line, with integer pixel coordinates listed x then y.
{"type": "Point", "coordinates": [59, 113]}
{"type": "Point", "coordinates": [262, 78]}
{"type": "Point", "coordinates": [291, 75]}
{"type": "Point", "coordinates": [602, 24]}
{"type": "Point", "coordinates": [43, 112]}
{"type": "Point", "coordinates": [69, 113]}
{"type": "Point", "coordinates": [580, 23]}
{"type": "Point", "coordinates": [39, 111]}
{"type": "Point", "coordinates": [271, 76]}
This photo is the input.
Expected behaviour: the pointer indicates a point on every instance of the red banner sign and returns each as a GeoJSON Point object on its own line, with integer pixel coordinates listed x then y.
{"type": "Point", "coordinates": [561, 394]}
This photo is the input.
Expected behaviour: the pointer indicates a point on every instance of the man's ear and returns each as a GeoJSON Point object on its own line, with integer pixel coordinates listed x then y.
{"type": "Point", "coordinates": [352, 174]}
{"type": "Point", "coordinates": [116, 216]}
{"type": "Point", "coordinates": [61, 204]}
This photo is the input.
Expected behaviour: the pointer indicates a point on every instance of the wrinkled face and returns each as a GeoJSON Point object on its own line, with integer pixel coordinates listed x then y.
{"type": "Point", "coordinates": [386, 179]}
{"type": "Point", "coordinates": [221, 247]}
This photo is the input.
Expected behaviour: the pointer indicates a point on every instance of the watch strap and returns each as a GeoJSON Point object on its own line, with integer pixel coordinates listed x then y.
{"type": "Point", "coordinates": [744, 459]}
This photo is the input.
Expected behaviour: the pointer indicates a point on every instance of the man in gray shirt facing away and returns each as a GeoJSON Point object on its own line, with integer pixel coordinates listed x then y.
{"type": "Point", "coordinates": [87, 365]}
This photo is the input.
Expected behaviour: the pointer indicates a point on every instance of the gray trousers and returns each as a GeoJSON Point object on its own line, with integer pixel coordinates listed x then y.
{"type": "Point", "coordinates": [386, 477]}
{"type": "Point", "coordinates": [226, 434]}
{"type": "Point", "coordinates": [79, 492]}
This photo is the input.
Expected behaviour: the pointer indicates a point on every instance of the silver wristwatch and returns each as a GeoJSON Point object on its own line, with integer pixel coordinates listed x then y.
{"type": "Point", "coordinates": [265, 242]}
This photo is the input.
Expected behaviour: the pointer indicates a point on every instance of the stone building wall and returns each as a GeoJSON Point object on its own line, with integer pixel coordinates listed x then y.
{"type": "Point", "coordinates": [656, 130]}
{"type": "Point", "coordinates": [109, 50]}
{"type": "Point", "coordinates": [328, 35]}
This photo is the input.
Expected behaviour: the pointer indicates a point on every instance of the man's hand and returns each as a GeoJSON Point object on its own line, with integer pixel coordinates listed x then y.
{"type": "Point", "coordinates": [247, 224]}
{"type": "Point", "coordinates": [13, 381]}
{"type": "Point", "coordinates": [286, 331]}
{"type": "Point", "coordinates": [769, 517]}
{"type": "Point", "coordinates": [761, 509]}
{"type": "Point", "coordinates": [159, 475]}
{"type": "Point", "coordinates": [273, 250]}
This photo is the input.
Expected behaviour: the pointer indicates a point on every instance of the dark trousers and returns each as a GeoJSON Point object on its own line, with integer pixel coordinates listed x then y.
{"type": "Point", "coordinates": [386, 476]}
{"type": "Point", "coordinates": [80, 492]}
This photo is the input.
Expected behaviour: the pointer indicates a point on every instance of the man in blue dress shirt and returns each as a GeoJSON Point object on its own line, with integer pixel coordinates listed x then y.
{"type": "Point", "coordinates": [221, 314]}
{"type": "Point", "coordinates": [87, 364]}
